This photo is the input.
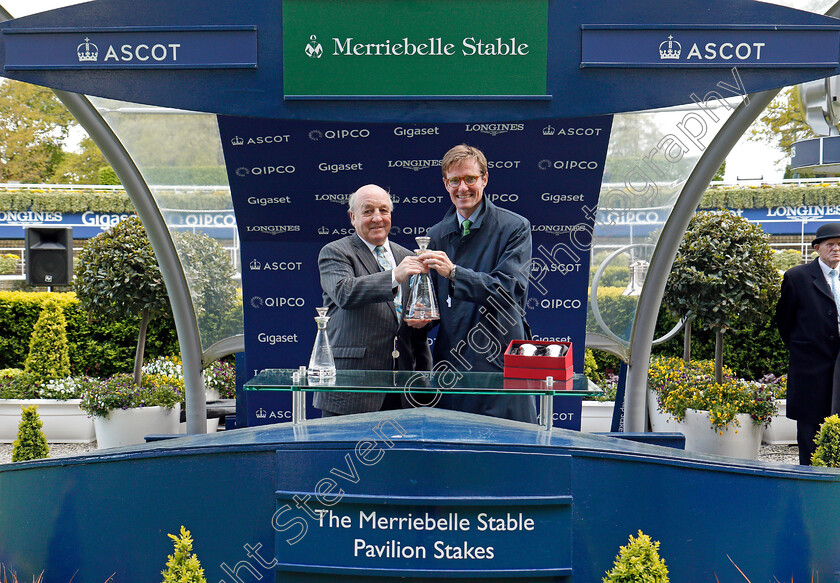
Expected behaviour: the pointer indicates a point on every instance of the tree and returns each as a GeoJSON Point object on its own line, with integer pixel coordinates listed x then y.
{"type": "Point", "coordinates": [724, 275]}
{"type": "Point", "coordinates": [782, 124]}
{"type": "Point", "coordinates": [638, 561]}
{"type": "Point", "coordinates": [118, 276]}
{"type": "Point", "coordinates": [33, 126]}
{"type": "Point", "coordinates": [31, 443]}
{"type": "Point", "coordinates": [183, 566]}
{"type": "Point", "coordinates": [209, 271]}
{"type": "Point", "coordinates": [80, 167]}
{"type": "Point", "coordinates": [49, 352]}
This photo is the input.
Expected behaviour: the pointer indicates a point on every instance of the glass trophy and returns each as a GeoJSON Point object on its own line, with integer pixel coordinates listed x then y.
{"type": "Point", "coordinates": [421, 304]}
{"type": "Point", "coordinates": [321, 363]}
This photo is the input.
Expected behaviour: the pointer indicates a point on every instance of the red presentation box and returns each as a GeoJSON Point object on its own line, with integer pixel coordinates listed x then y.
{"type": "Point", "coordinates": [518, 366]}
{"type": "Point", "coordinates": [536, 384]}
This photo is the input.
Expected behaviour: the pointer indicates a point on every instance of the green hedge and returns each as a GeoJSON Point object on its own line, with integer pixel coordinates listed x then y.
{"type": "Point", "coordinates": [96, 348]}
{"type": "Point", "coordinates": [107, 201]}
{"type": "Point", "coordinates": [771, 196]}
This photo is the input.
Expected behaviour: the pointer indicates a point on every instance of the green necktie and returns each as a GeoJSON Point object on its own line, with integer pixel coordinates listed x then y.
{"type": "Point", "coordinates": [465, 227]}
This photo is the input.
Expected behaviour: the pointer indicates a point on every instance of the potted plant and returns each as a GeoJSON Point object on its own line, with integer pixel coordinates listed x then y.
{"type": "Point", "coordinates": [124, 413]}
{"type": "Point", "coordinates": [827, 454]}
{"type": "Point", "coordinates": [781, 431]}
{"type": "Point", "coordinates": [216, 379]}
{"type": "Point", "coordinates": [725, 418]}
{"type": "Point", "coordinates": [58, 403]}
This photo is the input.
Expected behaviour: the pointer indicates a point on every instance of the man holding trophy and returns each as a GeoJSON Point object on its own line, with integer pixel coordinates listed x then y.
{"type": "Point", "coordinates": [364, 278]}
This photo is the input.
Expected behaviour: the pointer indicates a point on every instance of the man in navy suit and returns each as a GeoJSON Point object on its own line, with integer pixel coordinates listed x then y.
{"type": "Point", "coordinates": [807, 318]}
{"type": "Point", "coordinates": [364, 278]}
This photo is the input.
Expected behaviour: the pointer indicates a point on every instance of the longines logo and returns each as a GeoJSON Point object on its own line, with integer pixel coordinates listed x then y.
{"type": "Point", "coordinates": [279, 139]}
{"type": "Point", "coordinates": [494, 129]}
{"type": "Point", "coordinates": [313, 49]}
{"type": "Point", "coordinates": [550, 130]}
{"type": "Point", "coordinates": [88, 52]}
{"type": "Point", "coordinates": [276, 302]}
{"type": "Point", "coordinates": [272, 229]}
{"type": "Point", "coordinates": [568, 165]}
{"type": "Point", "coordinates": [557, 229]}
{"type": "Point", "coordinates": [341, 134]}
{"type": "Point", "coordinates": [414, 164]}
{"type": "Point", "coordinates": [336, 198]}
{"type": "Point", "coordinates": [264, 170]}
{"type": "Point", "coordinates": [257, 265]}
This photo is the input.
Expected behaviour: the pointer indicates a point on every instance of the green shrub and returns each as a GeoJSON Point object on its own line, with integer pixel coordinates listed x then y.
{"type": "Point", "coordinates": [638, 562]}
{"type": "Point", "coordinates": [108, 176]}
{"type": "Point", "coordinates": [183, 566]}
{"type": "Point", "coordinates": [590, 367]}
{"type": "Point", "coordinates": [31, 443]}
{"type": "Point", "coordinates": [618, 311]}
{"type": "Point", "coordinates": [8, 263]}
{"type": "Point", "coordinates": [784, 260]}
{"type": "Point", "coordinates": [827, 454]}
{"type": "Point", "coordinates": [49, 356]}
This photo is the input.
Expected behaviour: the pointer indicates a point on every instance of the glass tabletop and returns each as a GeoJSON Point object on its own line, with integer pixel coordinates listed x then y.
{"type": "Point", "coordinates": [382, 381]}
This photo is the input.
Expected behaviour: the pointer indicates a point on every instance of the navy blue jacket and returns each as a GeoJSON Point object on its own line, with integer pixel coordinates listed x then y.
{"type": "Point", "coordinates": [486, 304]}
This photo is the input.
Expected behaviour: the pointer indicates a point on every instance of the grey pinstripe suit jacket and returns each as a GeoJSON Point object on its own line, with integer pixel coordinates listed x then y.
{"type": "Point", "coordinates": [363, 321]}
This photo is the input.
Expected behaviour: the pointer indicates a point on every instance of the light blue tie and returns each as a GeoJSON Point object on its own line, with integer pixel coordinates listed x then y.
{"type": "Point", "coordinates": [835, 289]}
{"type": "Point", "coordinates": [386, 265]}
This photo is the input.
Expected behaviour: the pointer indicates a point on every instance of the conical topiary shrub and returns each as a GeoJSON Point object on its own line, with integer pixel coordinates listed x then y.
{"type": "Point", "coordinates": [638, 562]}
{"type": "Point", "coordinates": [183, 565]}
{"type": "Point", "coordinates": [31, 443]}
{"type": "Point", "coordinates": [827, 454]}
{"type": "Point", "coordinates": [49, 352]}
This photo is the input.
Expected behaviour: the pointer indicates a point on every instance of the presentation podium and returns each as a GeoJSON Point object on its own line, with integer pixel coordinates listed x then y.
{"type": "Point", "coordinates": [420, 388]}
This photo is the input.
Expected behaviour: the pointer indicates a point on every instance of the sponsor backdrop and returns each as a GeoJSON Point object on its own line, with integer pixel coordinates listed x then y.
{"type": "Point", "coordinates": [290, 181]}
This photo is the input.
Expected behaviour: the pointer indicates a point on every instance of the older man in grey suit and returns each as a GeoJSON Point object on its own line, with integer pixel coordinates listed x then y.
{"type": "Point", "coordinates": [364, 278]}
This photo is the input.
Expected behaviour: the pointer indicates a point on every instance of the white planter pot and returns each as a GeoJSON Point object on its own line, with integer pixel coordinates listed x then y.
{"type": "Point", "coordinates": [661, 422]}
{"type": "Point", "coordinates": [740, 442]}
{"type": "Point", "coordinates": [596, 416]}
{"type": "Point", "coordinates": [64, 421]}
{"type": "Point", "coordinates": [212, 426]}
{"type": "Point", "coordinates": [131, 426]}
{"type": "Point", "coordinates": [781, 431]}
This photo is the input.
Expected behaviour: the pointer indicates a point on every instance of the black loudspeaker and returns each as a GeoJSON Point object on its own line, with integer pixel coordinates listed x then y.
{"type": "Point", "coordinates": [49, 255]}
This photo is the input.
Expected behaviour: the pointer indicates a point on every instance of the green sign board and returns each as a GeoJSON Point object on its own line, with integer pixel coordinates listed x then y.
{"type": "Point", "coordinates": [437, 48]}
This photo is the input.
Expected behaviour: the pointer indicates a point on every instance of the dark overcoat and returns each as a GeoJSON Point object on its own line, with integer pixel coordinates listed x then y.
{"type": "Point", "coordinates": [363, 321]}
{"type": "Point", "coordinates": [483, 309]}
{"type": "Point", "coordinates": [806, 316]}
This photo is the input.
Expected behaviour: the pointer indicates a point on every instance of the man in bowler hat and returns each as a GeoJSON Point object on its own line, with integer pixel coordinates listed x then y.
{"type": "Point", "coordinates": [808, 321]}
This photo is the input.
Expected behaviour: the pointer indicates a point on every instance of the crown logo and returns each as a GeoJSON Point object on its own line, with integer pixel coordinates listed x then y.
{"type": "Point", "coordinates": [255, 265]}
{"type": "Point", "coordinates": [323, 231]}
{"type": "Point", "coordinates": [672, 51]}
{"type": "Point", "coordinates": [313, 49]}
{"type": "Point", "coordinates": [90, 52]}
{"type": "Point", "coordinates": [261, 414]}
{"type": "Point", "coordinates": [548, 130]}
{"type": "Point", "coordinates": [237, 141]}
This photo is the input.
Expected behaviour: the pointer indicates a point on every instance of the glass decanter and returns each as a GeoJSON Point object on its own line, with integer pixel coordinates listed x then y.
{"type": "Point", "coordinates": [421, 304]}
{"type": "Point", "coordinates": [321, 363]}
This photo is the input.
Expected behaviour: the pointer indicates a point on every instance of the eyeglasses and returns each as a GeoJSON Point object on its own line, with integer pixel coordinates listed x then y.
{"type": "Point", "coordinates": [455, 181]}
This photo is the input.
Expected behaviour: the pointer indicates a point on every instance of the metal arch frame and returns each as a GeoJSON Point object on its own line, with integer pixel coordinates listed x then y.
{"type": "Point", "coordinates": [635, 402]}
{"type": "Point", "coordinates": [170, 264]}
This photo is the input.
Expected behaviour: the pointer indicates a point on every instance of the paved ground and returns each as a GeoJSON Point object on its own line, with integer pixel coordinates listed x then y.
{"type": "Point", "coordinates": [776, 454]}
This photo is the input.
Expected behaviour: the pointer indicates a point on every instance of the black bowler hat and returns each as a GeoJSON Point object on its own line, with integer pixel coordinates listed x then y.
{"type": "Point", "coordinates": [827, 231]}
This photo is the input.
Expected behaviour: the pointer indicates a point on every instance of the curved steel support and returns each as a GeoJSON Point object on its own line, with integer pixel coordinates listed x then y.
{"type": "Point", "coordinates": [666, 251]}
{"type": "Point", "coordinates": [229, 345]}
{"type": "Point", "coordinates": [170, 265]}
{"type": "Point", "coordinates": [635, 401]}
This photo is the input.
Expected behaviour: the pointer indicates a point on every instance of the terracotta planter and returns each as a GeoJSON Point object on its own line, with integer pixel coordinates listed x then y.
{"type": "Point", "coordinates": [64, 421]}
{"type": "Point", "coordinates": [781, 431]}
{"type": "Point", "coordinates": [131, 426]}
{"type": "Point", "coordinates": [739, 442]}
{"type": "Point", "coordinates": [596, 416]}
